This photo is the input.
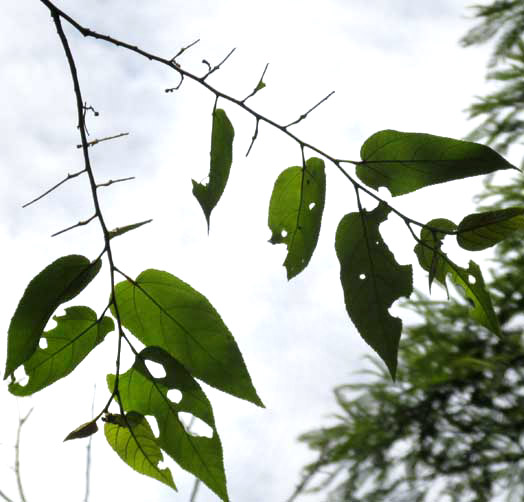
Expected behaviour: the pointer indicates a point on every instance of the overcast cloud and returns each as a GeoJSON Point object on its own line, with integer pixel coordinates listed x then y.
{"type": "Point", "coordinates": [392, 64]}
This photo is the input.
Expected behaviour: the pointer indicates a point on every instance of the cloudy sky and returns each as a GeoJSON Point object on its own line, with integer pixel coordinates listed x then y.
{"type": "Point", "coordinates": [392, 64]}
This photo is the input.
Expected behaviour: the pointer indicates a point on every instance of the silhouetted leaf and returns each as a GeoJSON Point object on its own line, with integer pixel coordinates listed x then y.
{"type": "Point", "coordinates": [483, 230]}
{"type": "Point", "coordinates": [132, 438]}
{"type": "Point", "coordinates": [83, 431]}
{"type": "Point", "coordinates": [76, 334]}
{"type": "Point", "coordinates": [295, 212]}
{"type": "Point", "coordinates": [221, 158]}
{"type": "Point", "coordinates": [429, 252]}
{"type": "Point", "coordinates": [140, 391]}
{"type": "Point", "coordinates": [404, 162]}
{"type": "Point", "coordinates": [122, 230]}
{"type": "Point", "coordinates": [58, 283]}
{"type": "Point", "coordinates": [161, 310]}
{"type": "Point", "coordinates": [372, 280]}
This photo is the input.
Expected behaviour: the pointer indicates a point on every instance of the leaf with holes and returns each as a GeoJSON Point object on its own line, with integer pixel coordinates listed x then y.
{"type": "Point", "coordinates": [405, 161]}
{"type": "Point", "coordinates": [222, 135]}
{"type": "Point", "coordinates": [58, 283]}
{"type": "Point", "coordinates": [295, 212]}
{"type": "Point", "coordinates": [140, 391]}
{"type": "Point", "coordinates": [471, 284]}
{"type": "Point", "coordinates": [483, 230]}
{"type": "Point", "coordinates": [161, 310]}
{"type": "Point", "coordinates": [429, 253]}
{"type": "Point", "coordinates": [134, 442]}
{"type": "Point", "coordinates": [76, 334]}
{"type": "Point", "coordinates": [372, 280]}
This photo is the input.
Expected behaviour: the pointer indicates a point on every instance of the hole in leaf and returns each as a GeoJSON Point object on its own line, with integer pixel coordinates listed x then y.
{"type": "Point", "coordinates": [362, 277]}
{"type": "Point", "coordinates": [174, 395]}
{"type": "Point", "coordinates": [156, 369]}
{"type": "Point", "coordinates": [283, 233]}
{"type": "Point", "coordinates": [20, 376]}
{"type": "Point", "coordinates": [154, 425]}
{"type": "Point", "coordinates": [311, 206]}
{"type": "Point", "coordinates": [43, 343]}
{"type": "Point", "coordinates": [471, 279]}
{"type": "Point", "coordinates": [194, 426]}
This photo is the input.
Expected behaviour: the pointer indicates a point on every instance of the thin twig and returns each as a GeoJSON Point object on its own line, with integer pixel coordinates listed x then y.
{"type": "Point", "coordinates": [88, 452]}
{"type": "Point", "coordinates": [184, 49]}
{"type": "Point", "coordinates": [21, 422]}
{"type": "Point", "coordinates": [79, 224]}
{"type": "Point", "coordinates": [217, 67]}
{"type": "Point", "coordinates": [112, 182]}
{"type": "Point", "coordinates": [5, 497]}
{"type": "Point", "coordinates": [304, 115]}
{"type": "Point", "coordinates": [67, 178]}
{"type": "Point", "coordinates": [96, 141]}
{"type": "Point", "coordinates": [253, 139]}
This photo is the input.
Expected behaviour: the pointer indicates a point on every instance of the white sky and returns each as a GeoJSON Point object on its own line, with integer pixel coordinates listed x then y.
{"type": "Point", "coordinates": [392, 64]}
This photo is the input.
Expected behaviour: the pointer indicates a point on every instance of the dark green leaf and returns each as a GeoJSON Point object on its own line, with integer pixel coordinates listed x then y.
{"type": "Point", "coordinates": [221, 157]}
{"type": "Point", "coordinates": [372, 280]}
{"type": "Point", "coordinates": [132, 438]}
{"type": "Point", "coordinates": [58, 283]}
{"type": "Point", "coordinates": [471, 285]}
{"type": "Point", "coordinates": [122, 230]}
{"type": "Point", "coordinates": [161, 310]}
{"type": "Point", "coordinates": [83, 431]}
{"type": "Point", "coordinates": [404, 162]}
{"type": "Point", "coordinates": [76, 334]}
{"type": "Point", "coordinates": [429, 253]}
{"type": "Point", "coordinates": [295, 212]}
{"type": "Point", "coordinates": [141, 392]}
{"type": "Point", "coordinates": [483, 230]}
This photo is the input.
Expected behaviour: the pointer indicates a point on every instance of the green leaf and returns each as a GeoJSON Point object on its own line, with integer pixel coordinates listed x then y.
{"type": "Point", "coordinates": [76, 334]}
{"type": "Point", "coordinates": [132, 438]}
{"type": "Point", "coordinates": [372, 280]}
{"type": "Point", "coordinates": [404, 162]}
{"type": "Point", "coordinates": [122, 230]}
{"type": "Point", "coordinates": [429, 253]}
{"type": "Point", "coordinates": [483, 230]}
{"type": "Point", "coordinates": [161, 310]}
{"type": "Point", "coordinates": [58, 283]}
{"type": "Point", "coordinates": [295, 212]}
{"type": "Point", "coordinates": [83, 431]}
{"type": "Point", "coordinates": [141, 392]}
{"type": "Point", "coordinates": [471, 285]}
{"type": "Point", "coordinates": [221, 158]}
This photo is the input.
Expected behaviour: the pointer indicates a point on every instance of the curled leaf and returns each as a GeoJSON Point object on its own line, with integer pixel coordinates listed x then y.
{"type": "Point", "coordinates": [295, 212]}
{"type": "Point", "coordinates": [83, 431]}
{"type": "Point", "coordinates": [222, 135]}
